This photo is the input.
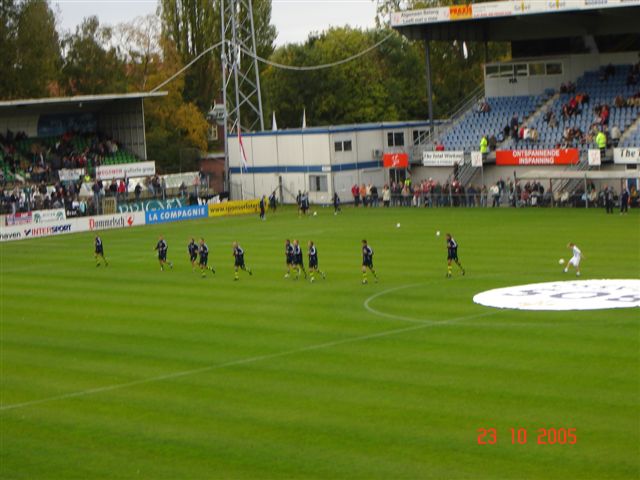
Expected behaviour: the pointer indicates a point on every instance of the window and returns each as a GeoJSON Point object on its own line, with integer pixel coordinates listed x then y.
{"type": "Point", "coordinates": [213, 133]}
{"type": "Point", "coordinates": [554, 69]}
{"type": "Point", "coordinates": [317, 183]}
{"type": "Point", "coordinates": [521, 70]}
{"type": "Point", "coordinates": [536, 69]}
{"type": "Point", "coordinates": [342, 146]}
{"type": "Point", "coordinates": [420, 136]}
{"type": "Point", "coordinates": [492, 70]}
{"type": "Point", "coordinates": [506, 70]}
{"type": "Point", "coordinates": [395, 139]}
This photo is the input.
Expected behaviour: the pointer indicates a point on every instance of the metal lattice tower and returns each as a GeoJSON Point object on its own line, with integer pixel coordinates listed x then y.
{"type": "Point", "coordinates": [240, 74]}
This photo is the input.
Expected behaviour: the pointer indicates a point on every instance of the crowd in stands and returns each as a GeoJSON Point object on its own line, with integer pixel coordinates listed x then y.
{"type": "Point", "coordinates": [39, 159]}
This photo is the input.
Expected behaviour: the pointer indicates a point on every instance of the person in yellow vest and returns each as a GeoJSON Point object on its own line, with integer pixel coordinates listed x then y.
{"type": "Point", "coordinates": [483, 146]}
{"type": "Point", "coordinates": [601, 142]}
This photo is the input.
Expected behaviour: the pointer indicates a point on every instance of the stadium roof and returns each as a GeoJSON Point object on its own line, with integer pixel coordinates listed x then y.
{"type": "Point", "coordinates": [520, 20]}
{"type": "Point", "coordinates": [77, 100]}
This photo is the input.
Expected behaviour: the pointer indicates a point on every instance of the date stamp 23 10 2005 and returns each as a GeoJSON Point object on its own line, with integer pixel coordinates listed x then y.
{"type": "Point", "coordinates": [520, 436]}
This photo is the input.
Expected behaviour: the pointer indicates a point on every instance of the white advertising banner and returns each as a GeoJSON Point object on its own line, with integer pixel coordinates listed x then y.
{"type": "Point", "coordinates": [70, 174]}
{"type": "Point", "coordinates": [626, 155]}
{"type": "Point", "coordinates": [594, 158]}
{"type": "Point", "coordinates": [73, 225]}
{"type": "Point", "coordinates": [107, 222]}
{"type": "Point", "coordinates": [476, 159]}
{"type": "Point", "coordinates": [442, 159]}
{"type": "Point", "coordinates": [131, 170]}
{"type": "Point", "coordinates": [48, 216]}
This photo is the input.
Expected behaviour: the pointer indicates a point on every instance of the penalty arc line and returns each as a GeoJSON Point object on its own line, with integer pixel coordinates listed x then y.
{"type": "Point", "coordinates": [232, 363]}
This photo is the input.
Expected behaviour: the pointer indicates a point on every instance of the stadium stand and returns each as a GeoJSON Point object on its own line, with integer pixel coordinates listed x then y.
{"type": "Point", "coordinates": [577, 112]}
{"type": "Point", "coordinates": [39, 158]}
{"type": "Point", "coordinates": [466, 134]}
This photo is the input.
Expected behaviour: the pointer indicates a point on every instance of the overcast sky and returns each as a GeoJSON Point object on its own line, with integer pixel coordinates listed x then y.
{"type": "Point", "coordinates": [294, 19]}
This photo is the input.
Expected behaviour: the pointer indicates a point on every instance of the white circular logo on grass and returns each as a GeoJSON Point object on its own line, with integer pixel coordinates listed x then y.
{"type": "Point", "coordinates": [571, 295]}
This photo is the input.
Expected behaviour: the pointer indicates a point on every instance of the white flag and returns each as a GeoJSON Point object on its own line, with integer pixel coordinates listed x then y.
{"type": "Point", "coordinates": [274, 125]}
{"type": "Point", "coordinates": [304, 118]}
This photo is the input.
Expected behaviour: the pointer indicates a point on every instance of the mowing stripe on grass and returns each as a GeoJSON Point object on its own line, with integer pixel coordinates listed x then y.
{"type": "Point", "coordinates": [241, 361]}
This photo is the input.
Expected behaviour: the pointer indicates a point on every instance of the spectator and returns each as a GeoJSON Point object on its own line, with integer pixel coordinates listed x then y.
{"type": "Point", "coordinates": [615, 135]}
{"type": "Point", "coordinates": [601, 142]}
{"type": "Point", "coordinates": [483, 146]}
{"type": "Point", "coordinates": [138, 191]}
{"type": "Point", "coordinates": [386, 196]}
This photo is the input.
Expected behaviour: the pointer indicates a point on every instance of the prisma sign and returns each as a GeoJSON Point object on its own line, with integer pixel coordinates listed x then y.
{"type": "Point", "coordinates": [568, 295]}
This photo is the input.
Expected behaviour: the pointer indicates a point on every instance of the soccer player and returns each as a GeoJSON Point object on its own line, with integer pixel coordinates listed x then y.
{"type": "Point", "coordinates": [452, 254]}
{"type": "Point", "coordinates": [162, 248]}
{"type": "Point", "coordinates": [263, 201]}
{"type": "Point", "coordinates": [99, 252]}
{"type": "Point", "coordinates": [336, 203]}
{"type": "Point", "coordinates": [367, 262]}
{"type": "Point", "coordinates": [298, 263]}
{"type": "Point", "coordinates": [575, 260]}
{"type": "Point", "coordinates": [192, 248]}
{"type": "Point", "coordinates": [313, 262]}
{"type": "Point", "coordinates": [203, 250]}
{"type": "Point", "coordinates": [238, 253]}
{"type": "Point", "coordinates": [288, 254]}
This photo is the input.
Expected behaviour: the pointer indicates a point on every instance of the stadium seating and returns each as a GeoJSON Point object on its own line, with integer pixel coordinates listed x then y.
{"type": "Point", "coordinates": [466, 134]}
{"type": "Point", "coordinates": [600, 92]}
{"type": "Point", "coordinates": [93, 144]}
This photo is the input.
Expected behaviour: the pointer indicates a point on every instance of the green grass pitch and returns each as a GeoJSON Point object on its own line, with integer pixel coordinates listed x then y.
{"type": "Point", "coordinates": [129, 372]}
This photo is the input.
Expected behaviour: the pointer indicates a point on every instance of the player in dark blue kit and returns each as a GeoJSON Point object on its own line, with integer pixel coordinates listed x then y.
{"type": "Point", "coordinates": [367, 262]}
{"type": "Point", "coordinates": [161, 248]}
{"type": "Point", "coordinates": [99, 252]}
{"type": "Point", "coordinates": [452, 254]}
{"type": "Point", "coordinates": [298, 262]}
{"type": "Point", "coordinates": [238, 254]}
{"type": "Point", "coordinates": [288, 254]}
{"type": "Point", "coordinates": [203, 251]}
{"type": "Point", "coordinates": [313, 262]}
{"type": "Point", "coordinates": [193, 253]}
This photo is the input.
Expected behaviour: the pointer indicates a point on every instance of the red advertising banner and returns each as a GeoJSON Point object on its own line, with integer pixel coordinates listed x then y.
{"type": "Point", "coordinates": [395, 160]}
{"type": "Point", "coordinates": [552, 156]}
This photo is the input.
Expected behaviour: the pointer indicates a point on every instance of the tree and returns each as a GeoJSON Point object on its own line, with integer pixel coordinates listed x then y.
{"type": "Point", "coordinates": [194, 26]}
{"type": "Point", "coordinates": [30, 49]}
{"type": "Point", "coordinates": [91, 65]}
{"type": "Point", "coordinates": [385, 84]}
{"type": "Point", "coordinates": [138, 44]}
{"type": "Point", "coordinates": [455, 75]}
{"type": "Point", "coordinates": [8, 33]}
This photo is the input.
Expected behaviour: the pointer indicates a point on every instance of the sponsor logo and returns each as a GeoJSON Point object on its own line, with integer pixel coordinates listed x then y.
{"type": "Point", "coordinates": [626, 155]}
{"type": "Point", "coordinates": [176, 214]}
{"type": "Point", "coordinates": [569, 156]}
{"type": "Point", "coordinates": [44, 216]}
{"type": "Point", "coordinates": [395, 160]}
{"type": "Point", "coordinates": [18, 219]}
{"type": "Point", "coordinates": [10, 236]}
{"type": "Point", "coordinates": [568, 295]}
{"type": "Point", "coordinates": [143, 206]}
{"type": "Point", "coordinates": [240, 207]}
{"type": "Point", "coordinates": [442, 159]}
{"type": "Point", "coordinates": [117, 221]}
{"type": "Point", "coordinates": [460, 12]}
{"type": "Point", "coordinates": [46, 231]}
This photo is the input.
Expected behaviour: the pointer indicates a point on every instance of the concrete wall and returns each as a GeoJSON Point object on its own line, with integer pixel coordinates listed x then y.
{"type": "Point", "coordinates": [573, 67]}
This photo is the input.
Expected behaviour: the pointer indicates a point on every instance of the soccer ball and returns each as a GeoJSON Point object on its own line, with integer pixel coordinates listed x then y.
{"type": "Point", "coordinates": [438, 233]}
{"type": "Point", "coordinates": [561, 261]}
{"type": "Point", "coordinates": [398, 225]}
{"type": "Point", "coordinates": [315, 214]}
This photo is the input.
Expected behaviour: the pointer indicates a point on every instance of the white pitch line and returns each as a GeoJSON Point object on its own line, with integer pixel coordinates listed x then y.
{"type": "Point", "coordinates": [241, 361]}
